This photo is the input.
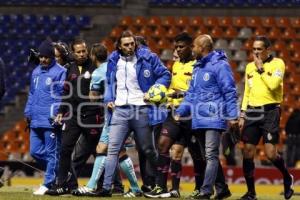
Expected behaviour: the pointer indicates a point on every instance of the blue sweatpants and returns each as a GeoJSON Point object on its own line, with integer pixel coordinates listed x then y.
{"type": "Point", "coordinates": [44, 148]}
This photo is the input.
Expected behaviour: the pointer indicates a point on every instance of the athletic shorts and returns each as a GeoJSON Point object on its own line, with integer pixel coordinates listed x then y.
{"type": "Point", "coordinates": [179, 132]}
{"type": "Point", "coordinates": [262, 122]}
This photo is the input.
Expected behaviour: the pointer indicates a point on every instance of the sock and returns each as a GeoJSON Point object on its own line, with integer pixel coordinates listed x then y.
{"type": "Point", "coordinates": [248, 169]}
{"type": "Point", "coordinates": [279, 164]}
{"type": "Point", "coordinates": [98, 168]}
{"type": "Point", "coordinates": [128, 169]}
{"type": "Point", "coordinates": [176, 169]}
{"type": "Point", "coordinates": [163, 165]}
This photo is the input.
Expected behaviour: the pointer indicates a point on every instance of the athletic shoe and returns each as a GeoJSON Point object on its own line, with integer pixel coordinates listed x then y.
{"type": "Point", "coordinates": [223, 195]}
{"type": "Point", "coordinates": [249, 196]}
{"type": "Point", "coordinates": [146, 188]}
{"type": "Point", "coordinates": [288, 187]}
{"type": "Point", "coordinates": [84, 191]}
{"type": "Point", "coordinates": [118, 190]}
{"type": "Point", "coordinates": [41, 191]}
{"type": "Point", "coordinates": [58, 190]}
{"type": "Point", "coordinates": [194, 195]}
{"type": "Point", "coordinates": [171, 194]}
{"type": "Point", "coordinates": [155, 193]}
{"type": "Point", "coordinates": [131, 194]}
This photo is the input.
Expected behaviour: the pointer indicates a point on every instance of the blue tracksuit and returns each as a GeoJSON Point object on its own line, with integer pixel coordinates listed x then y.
{"type": "Point", "coordinates": [42, 105]}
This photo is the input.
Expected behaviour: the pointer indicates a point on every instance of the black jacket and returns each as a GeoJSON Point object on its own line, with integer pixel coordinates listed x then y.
{"type": "Point", "coordinates": [74, 80]}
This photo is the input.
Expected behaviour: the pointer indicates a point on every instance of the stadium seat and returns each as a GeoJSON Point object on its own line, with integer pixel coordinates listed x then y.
{"type": "Point", "coordinates": [115, 33]}
{"type": "Point", "coordinates": [211, 22]}
{"type": "Point", "coordinates": [126, 21]}
{"type": "Point", "coordinates": [279, 45]}
{"type": "Point", "coordinates": [225, 22]}
{"type": "Point", "coordinates": [295, 22]}
{"type": "Point", "coordinates": [159, 32]}
{"type": "Point", "coordinates": [240, 56]}
{"type": "Point", "coordinates": [245, 33]}
{"type": "Point", "coordinates": [235, 44]}
{"type": "Point", "coordinates": [189, 30]}
{"type": "Point", "coordinates": [168, 21]}
{"type": "Point", "coordinates": [216, 32]}
{"type": "Point", "coordinates": [201, 30]}
{"type": "Point", "coordinates": [182, 21]}
{"type": "Point", "coordinates": [154, 21]}
{"type": "Point", "coordinates": [146, 31]}
{"type": "Point", "coordinates": [294, 46]}
{"type": "Point", "coordinates": [274, 33]}
{"type": "Point", "coordinates": [268, 22]}
{"type": "Point", "coordinates": [239, 22]}
{"type": "Point", "coordinates": [196, 22]}
{"type": "Point", "coordinates": [172, 32]}
{"type": "Point", "coordinates": [164, 44]}
{"type": "Point", "coordinates": [254, 22]}
{"type": "Point", "coordinates": [296, 57]}
{"type": "Point", "coordinates": [260, 31]}
{"type": "Point", "coordinates": [139, 21]}
{"type": "Point", "coordinates": [230, 33]}
{"type": "Point", "coordinates": [283, 22]}
{"type": "Point", "coordinates": [221, 44]}
{"type": "Point", "coordinates": [289, 34]}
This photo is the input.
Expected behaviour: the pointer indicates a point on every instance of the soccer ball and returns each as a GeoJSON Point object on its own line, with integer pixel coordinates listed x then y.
{"type": "Point", "coordinates": [157, 93]}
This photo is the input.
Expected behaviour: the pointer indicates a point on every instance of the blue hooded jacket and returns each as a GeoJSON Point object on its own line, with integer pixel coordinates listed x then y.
{"type": "Point", "coordinates": [46, 89]}
{"type": "Point", "coordinates": [149, 70]}
{"type": "Point", "coordinates": [211, 98]}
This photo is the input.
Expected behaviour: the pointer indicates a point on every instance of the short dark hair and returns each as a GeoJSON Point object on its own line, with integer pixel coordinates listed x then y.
{"type": "Point", "coordinates": [264, 39]}
{"type": "Point", "coordinates": [100, 51]}
{"type": "Point", "coordinates": [77, 41]}
{"type": "Point", "coordinates": [126, 33]}
{"type": "Point", "coordinates": [184, 37]}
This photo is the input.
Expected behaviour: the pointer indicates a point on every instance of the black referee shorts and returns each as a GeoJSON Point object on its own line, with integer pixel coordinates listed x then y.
{"type": "Point", "coordinates": [262, 121]}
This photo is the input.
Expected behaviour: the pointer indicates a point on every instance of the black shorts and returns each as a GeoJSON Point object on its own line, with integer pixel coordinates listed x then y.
{"type": "Point", "coordinates": [179, 132]}
{"type": "Point", "coordinates": [262, 122]}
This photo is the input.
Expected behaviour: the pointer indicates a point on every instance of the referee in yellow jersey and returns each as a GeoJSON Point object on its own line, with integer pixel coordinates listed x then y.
{"type": "Point", "coordinates": [260, 114]}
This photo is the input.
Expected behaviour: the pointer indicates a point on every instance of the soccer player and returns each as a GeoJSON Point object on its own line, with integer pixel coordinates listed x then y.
{"type": "Point", "coordinates": [131, 72]}
{"type": "Point", "coordinates": [211, 100]}
{"type": "Point", "coordinates": [46, 89]}
{"type": "Point", "coordinates": [261, 113]}
{"type": "Point", "coordinates": [99, 56]}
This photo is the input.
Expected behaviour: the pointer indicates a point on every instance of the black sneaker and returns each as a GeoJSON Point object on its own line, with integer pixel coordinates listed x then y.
{"type": "Point", "coordinates": [146, 188]}
{"type": "Point", "coordinates": [288, 187]}
{"type": "Point", "coordinates": [249, 196]}
{"type": "Point", "coordinates": [58, 190]}
{"type": "Point", "coordinates": [104, 193]}
{"type": "Point", "coordinates": [118, 190]}
{"type": "Point", "coordinates": [131, 194]}
{"type": "Point", "coordinates": [84, 191]}
{"type": "Point", "coordinates": [155, 193]}
{"type": "Point", "coordinates": [223, 195]}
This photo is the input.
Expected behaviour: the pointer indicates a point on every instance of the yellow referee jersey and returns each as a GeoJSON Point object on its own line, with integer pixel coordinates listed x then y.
{"type": "Point", "coordinates": [265, 88]}
{"type": "Point", "coordinates": [181, 77]}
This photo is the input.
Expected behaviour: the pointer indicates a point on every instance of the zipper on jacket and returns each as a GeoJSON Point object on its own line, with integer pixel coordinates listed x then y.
{"type": "Point", "coordinates": [126, 81]}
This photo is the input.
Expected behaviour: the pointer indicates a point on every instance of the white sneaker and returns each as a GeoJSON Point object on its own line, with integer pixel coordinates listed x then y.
{"type": "Point", "coordinates": [41, 191]}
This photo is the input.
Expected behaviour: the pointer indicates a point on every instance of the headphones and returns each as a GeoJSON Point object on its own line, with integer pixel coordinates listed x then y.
{"type": "Point", "coordinates": [63, 50]}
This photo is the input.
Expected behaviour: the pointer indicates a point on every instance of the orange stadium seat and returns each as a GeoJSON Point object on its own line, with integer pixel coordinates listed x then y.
{"type": "Point", "coordinates": [146, 31]}
{"type": "Point", "coordinates": [284, 54]}
{"type": "Point", "coordinates": [269, 22]}
{"type": "Point", "coordinates": [294, 46]}
{"type": "Point", "coordinates": [274, 33]}
{"type": "Point", "coordinates": [211, 22]}
{"type": "Point", "coordinates": [260, 31]}
{"type": "Point", "coordinates": [289, 34]}
{"type": "Point", "coordinates": [196, 22]}
{"type": "Point", "coordinates": [296, 57]}
{"type": "Point", "coordinates": [164, 44]}
{"type": "Point", "coordinates": [216, 32]}
{"type": "Point", "coordinates": [295, 22]}
{"type": "Point", "coordinates": [154, 21]}
{"type": "Point", "coordinates": [139, 21]}
{"type": "Point", "coordinates": [168, 21]}
{"type": "Point", "coordinates": [230, 33]}
{"type": "Point", "coordinates": [115, 33]}
{"type": "Point", "coordinates": [108, 42]}
{"type": "Point", "coordinates": [283, 22]}
{"type": "Point", "coordinates": [279, 45]}
{"type": "Point", "coordinates": [225, 22]}
{"type": "Point", "coordinates": [159, 32]}
{"type": "Point", "coordinates": [239, 22]}
{"type": "Point", "coordinates": [182, 21]}
{"type": "Point", "coordinates": [172, 32]}
{"type": "Point", "coordinates": [201, 30]}
{"type": "Point", "coordinates": [248, 45]}
{"type": "Point", "coordinates": [254, 22]}
{"type": "Point", "coordinates": [189, 30]}
{"type": "Point", "coordinates": [126, 21]}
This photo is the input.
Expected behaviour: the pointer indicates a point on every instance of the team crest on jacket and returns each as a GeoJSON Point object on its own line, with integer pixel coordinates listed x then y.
{"type": "Point", "coordinates": [87, 75]}
{"type": "Point", "coordinates": [206, 76]}
{"type": "Point", "coordinates": [48, 81]}
{"type": "Point", "coordinates": [146, 73]}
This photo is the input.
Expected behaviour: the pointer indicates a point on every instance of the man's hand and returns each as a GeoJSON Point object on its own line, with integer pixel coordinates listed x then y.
{"type": "Point", "coordinates": [176, 118]}
{"type": "Point", "coordinates": [258, 63]}
{"type": "Point", "coordinates": [110, 105]}
{"type": "Point", "coordinates": [233, 124]}
{"type": "Point", "coordinates": [241, 123]}
{"type": "Point", "coordinates": [146, 97]}
{"type": "Point", "coordinates": [58, 119]}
